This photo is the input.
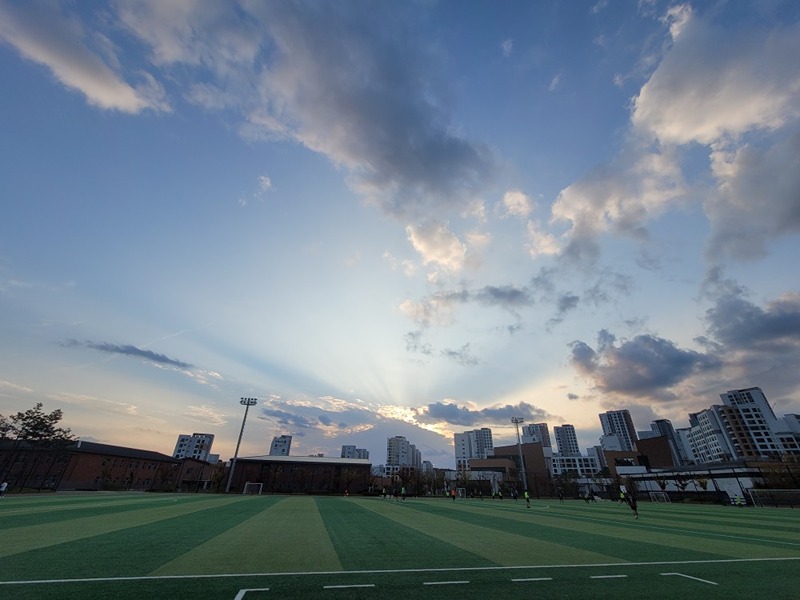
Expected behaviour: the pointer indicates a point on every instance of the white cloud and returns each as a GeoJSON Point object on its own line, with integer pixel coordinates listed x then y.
{"type": "Point", "coordinates": [517, 204]}
{"type": "Point", "coordinates": [620, 197]}
{"type": "Point", "coordinates": [540, 242]}
{"type": "Point", "coordinates": [758, 197]}
{"type": "Point", "coordinates": [41, 33]}
{"type": "Point", "coordinates": [507, 46]}
{"type": "Point", "coordinates": [438, 246]}
{"type": "Point", "coordinates": [712, 85]}
{"type": "Point", "coordinates": [437, 310]}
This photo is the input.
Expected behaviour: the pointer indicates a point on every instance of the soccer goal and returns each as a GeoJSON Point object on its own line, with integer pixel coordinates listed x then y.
{"type": "Point", "coordinates": [251, 488]}
{"type": "Point", "coordinates": [659, 497]}
{"type": "Point", "coordinates": [763, 498]}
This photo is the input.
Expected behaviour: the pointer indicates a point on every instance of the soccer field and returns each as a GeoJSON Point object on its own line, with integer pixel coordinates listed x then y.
{"type": "Point", "coordinates": [254, 547]}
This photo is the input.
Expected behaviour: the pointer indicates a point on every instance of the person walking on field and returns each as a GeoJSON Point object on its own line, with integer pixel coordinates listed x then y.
{"type": "Point", "coordinates": [527, 498]}
{"type": "Point", "coordinates": [3, 488]}
{"type": "Point", "coordinates": [632, 503]}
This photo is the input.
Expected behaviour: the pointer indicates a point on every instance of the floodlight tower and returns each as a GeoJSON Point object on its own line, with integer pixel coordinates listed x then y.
{"type": "Point", "coordinates": [516, 421]}
{"type": "Point", "coordinates": [247, 403]}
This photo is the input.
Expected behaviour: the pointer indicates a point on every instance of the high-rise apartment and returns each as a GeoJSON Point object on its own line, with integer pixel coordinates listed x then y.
{"type": "Point", "coordinates": [566, 440]}
{"type": "Point", "coordinates": [349, 451]}
{"type": "Point", "coordinates": [744, 426]}
{"type": "Point", "coordinates": [472, 444]}
{"type": "Point", "coordinates": [619, 423]}
{"type": "Point", "coordinates": [197, 445]}
{"type": "Point", "coordinates": [399, 452]}
{"type": "Point", "coordinates": [536, 432]}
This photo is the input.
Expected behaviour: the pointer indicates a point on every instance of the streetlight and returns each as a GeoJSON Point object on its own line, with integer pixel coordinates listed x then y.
{"type": "Point", "coordinates": [247, 403]}
{"type": "Point", "coordinates": [516, 421]}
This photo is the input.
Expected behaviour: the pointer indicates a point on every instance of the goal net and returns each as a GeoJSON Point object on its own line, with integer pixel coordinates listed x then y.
{"type": "Point", "coordinates": [252, 488]}
{"type": "Point", "coordinates": [762, 498]}
{"type": "Point", "coordinates": [659, 497]}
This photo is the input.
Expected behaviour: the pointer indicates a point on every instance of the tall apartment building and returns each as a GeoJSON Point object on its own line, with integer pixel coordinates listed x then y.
{"type": "Point", "coordinates": [619, 423]}
{"type": "Point", "coordinates": [536, 432]}
{"type": "Point", "coordinates": [281, 445]}
{"type": "Point", "coordinates": [349, 451]}
{"type": "Point", "coordinates": [663, 427]}
{"type": "Point", "coordinates": [472, 444]}
{"type": "Point", "coordinates": [399, 452]}
{"type": "Point", "coordinates": [566, 440]}
{"type": "Point", "coordinates": [197, 445]}
{"type": "Point", "coordinates": [744, 426]}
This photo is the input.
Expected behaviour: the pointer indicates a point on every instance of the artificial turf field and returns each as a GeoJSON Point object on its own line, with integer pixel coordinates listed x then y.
{"type": "Point", "coordinates": [126, 546]}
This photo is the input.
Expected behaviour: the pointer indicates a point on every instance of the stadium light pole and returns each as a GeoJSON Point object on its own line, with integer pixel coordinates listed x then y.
{"type": "Point", "coordinates": [247, 403]}
{"type": "Point", "coordinates": [516, 421]}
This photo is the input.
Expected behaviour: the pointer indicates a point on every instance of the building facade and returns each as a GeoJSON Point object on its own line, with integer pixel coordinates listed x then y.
{"type": "Point", "coordinates": [472, 444]}
{"type": "Point", "coordinates": [401, 453]}
{"type": "Point", "coordinates": [303, 474]}
{"type": "Point", "coordinates": [743, 427]}
{"type": "Point", "coordinates": [619, 423]}
{"type": "Point", "coordinates": [536, 432]}
{"type": "Point", "coordinates": [566, 440]}
{"type": "Point", "coordinates": [349, 451]}
{"type": "Point", "coordinates": [197, 446]}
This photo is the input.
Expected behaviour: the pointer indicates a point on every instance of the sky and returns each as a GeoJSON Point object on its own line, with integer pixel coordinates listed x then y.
{"type": "Point", "coordinates": [395, 218]}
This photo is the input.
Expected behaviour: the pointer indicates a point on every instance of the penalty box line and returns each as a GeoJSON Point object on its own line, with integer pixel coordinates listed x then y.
{"type": "Point", "coordinates": [392, 571]}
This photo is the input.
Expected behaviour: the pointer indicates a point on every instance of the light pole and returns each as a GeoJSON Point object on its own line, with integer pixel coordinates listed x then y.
{"type": "Point", "coordinates": [247, 403]}
{"type": "Point", "coordinates": [516, 421]}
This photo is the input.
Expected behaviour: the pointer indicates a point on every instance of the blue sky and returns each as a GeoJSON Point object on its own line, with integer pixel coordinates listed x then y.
{"type": "Point", "coordinates": [395, 218]}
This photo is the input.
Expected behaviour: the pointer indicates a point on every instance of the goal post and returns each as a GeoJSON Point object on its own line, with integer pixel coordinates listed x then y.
{"type": "Point", "coordinates": [775, 498]}
{"type": "Point", "coordinates": [660, 497]}
{"type": "Point", "coordinates": [252, 488]}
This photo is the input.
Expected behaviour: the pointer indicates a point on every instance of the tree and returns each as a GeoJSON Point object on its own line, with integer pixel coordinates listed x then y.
{"type": "Point", "coordinates": [35, 432]}
{"type": "Point", "coordinates": [34, 425]}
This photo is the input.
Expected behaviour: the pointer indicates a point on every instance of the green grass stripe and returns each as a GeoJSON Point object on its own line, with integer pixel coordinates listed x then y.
{"type": "Point", "coordinates": [288, 535]}
{"type": "Point", "coordinates": [715, 521]}
{"type": "Point", "coordinates": [630, 539]}
{"type": "Point", "coordinates": [21, 539]}
{"type": "Point", "coordinates": [62, 512]}
{"type": "Point", "coordinates": [364, 537]}
{"type": "Point", "coordinates": [440, 519]}
{"type": "Point", "coordinates": [132, 551]}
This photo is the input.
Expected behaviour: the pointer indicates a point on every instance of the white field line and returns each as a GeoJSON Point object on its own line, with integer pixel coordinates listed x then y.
{"type": "Point", "coordinates": [345, 587]}
{"type": "Point", "coordinates": [463, 581]}
{"type": "Point", "coordinates": [241, 593]}
{"type": "Point", "coordinates": [690, 577]}
{"type": "Point", "coordinates": [607, 576]}
{"type": "Point", "coordinates": [617, 565]}
{"type": "Point", "coordinates": [533, 579]}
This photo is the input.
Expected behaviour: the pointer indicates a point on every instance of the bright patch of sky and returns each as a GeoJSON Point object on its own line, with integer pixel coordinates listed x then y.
{"type": "Point", "coordinates": [395, 218]}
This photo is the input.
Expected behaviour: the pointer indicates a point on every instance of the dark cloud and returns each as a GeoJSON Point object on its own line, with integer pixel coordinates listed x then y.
{"type": "Point", "coordinates": [291, 420]}
{"type": "Point", "coordinates": [462, 356]}
{"type": "Point", "coordinates": [646, 365]}
{"type": "Point", "coordinates": [506, 296]}
{"type": "Point", "coordinates": [415, 343]}
{"type": "Point", "coordinates": [350, 80]}
{"type": "Point", "coordinates": [758, 344]}
{"type": "Point", "coordinates": [565, 303]}
{"type": "Point", "coordinates": [737, 323]}
{"type": "Point", "coordinates": [129, 350]}
{"type": "Point", "coordinates": [459, 415]}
